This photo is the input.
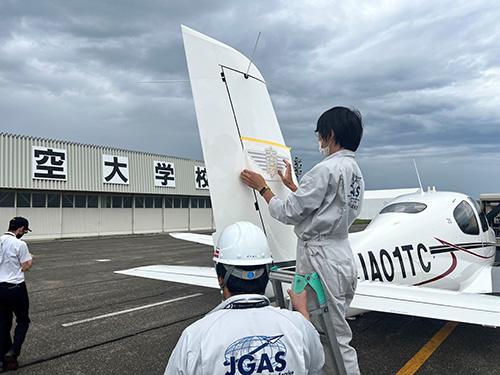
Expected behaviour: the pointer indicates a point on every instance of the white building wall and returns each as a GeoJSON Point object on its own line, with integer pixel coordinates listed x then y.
{"type": "Point", "coordinates": [176, 219]}
{"type": "Point", "coordinates": [200, 219]}
{"type": "Point", "coordinates": [47, 221]}
{"type": "Point", "coordinates": [148, 220]}
{"type": "Point", "coordinates": [116, 221]}
{"type": "Point", "coordinates": [77, 222]}
{"type": "Point", "coordinates": [84, 178]}
{"type": "Point", "coordinates": [50, 223]}
{"type": "Point", "coordinates": [6, 213]}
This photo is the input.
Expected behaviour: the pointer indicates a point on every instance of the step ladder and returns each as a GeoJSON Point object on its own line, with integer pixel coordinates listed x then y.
{"type": "Point", "coordinates": [287, 275]}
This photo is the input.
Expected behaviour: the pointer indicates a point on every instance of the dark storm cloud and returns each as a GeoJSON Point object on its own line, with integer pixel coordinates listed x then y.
{"type": "Point", "coordinates": [425, 76]}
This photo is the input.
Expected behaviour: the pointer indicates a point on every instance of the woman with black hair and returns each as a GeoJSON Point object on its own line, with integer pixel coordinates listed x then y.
{"type": "Point", "coordinates": [322, 208]}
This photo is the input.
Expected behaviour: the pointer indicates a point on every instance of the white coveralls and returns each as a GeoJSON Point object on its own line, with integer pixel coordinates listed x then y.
{"type": "Point", "coordinates": [326, 203]}
{"type": "Point", "coordinates": [244, 335]}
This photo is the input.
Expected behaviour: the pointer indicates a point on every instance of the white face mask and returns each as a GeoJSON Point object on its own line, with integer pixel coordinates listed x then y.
{"type": "Point", "coordinates": [325, 151]}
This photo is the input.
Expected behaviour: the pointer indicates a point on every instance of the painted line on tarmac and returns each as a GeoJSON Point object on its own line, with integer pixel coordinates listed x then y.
{"type": "Point", "coordinates": [130, 310]}
{"type": "Point", "coordinates": [418, 360]}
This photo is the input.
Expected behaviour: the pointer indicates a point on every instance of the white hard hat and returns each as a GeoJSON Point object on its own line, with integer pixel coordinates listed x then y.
{"type": "Point", "coordinates": [243, 244]}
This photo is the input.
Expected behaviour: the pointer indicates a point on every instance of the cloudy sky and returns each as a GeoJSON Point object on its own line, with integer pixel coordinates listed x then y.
{"type": "Point", "coordinates": [424, 74]}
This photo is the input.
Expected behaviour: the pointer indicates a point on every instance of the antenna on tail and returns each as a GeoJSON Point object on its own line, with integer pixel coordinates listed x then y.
{"type": "Point", "coordinates": [250, 63]}
{"type": "Point", "coordinates": [418, 176]}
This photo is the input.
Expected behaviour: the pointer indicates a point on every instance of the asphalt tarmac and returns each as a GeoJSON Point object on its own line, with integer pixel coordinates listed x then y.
{"type": "Point", "coordinates": [88, 320]}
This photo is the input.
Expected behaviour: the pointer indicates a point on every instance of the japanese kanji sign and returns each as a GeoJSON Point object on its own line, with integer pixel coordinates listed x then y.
{"type": "Point", "coordinates": [200, 177]}
{"type": "Point", "coordinates": [49, 163]}
{"type": "Point", "coordinates": [115, 169]}
{"type": "Point", "coordinates": [164, 174]}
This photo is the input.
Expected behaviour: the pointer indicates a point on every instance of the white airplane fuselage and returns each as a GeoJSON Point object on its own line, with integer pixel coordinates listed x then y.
{"type": "Point", "coordinates": [441, 241]}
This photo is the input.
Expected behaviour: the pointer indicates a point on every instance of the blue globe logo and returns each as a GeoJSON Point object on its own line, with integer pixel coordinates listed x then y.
{"type": "Point", "coordinates": [255, 346]}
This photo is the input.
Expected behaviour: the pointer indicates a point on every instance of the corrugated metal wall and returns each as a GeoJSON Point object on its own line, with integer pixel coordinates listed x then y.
{"type": "Point", "coordinates": [85, 168]}
{"type": "Point", "coordinates": [84, 176]}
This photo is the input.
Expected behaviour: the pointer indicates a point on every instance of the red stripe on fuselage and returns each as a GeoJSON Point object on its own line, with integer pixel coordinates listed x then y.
{"type": "Point", "coordinates": [461, 248]}
{"type": "Point", "coordinates": [450, 270]}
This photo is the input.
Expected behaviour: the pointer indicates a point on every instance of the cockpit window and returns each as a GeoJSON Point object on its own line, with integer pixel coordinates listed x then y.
{"type": "Point", "coordinates": [474, 204]}
{"type": "Point", "coordinates": [465, 218]}
{"type": "Point", "coordinates": [484, 222]}
{"type": "Point", "coordinates": [482, 216]}
{"type": "Point", "coordinates": [405, 207]}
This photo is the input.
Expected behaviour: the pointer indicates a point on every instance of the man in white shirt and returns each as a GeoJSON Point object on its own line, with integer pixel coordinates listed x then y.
{"type": "Point", "coordinates": [244, 335]}
{"type": "Point", "coordinates": [15, 260]}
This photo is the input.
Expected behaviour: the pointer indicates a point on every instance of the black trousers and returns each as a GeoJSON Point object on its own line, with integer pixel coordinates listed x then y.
{"type": "Point", "coordinates": [13, 301]}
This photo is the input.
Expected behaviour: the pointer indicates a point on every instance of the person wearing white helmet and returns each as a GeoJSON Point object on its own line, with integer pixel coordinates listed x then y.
{"type": "Point", "coordinates": [244, 334]}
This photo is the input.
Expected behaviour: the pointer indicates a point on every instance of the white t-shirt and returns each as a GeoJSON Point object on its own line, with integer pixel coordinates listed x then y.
{"type": "Point", "coordinates": [13, 252]}
{"type": "Point", "coordinates": [258, 340]}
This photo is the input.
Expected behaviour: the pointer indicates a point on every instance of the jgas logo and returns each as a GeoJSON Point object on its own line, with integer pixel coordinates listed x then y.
{"type": "Point", "coordinates": [247, 364]}
{"type": "Point", "coordinates": [255, 354]}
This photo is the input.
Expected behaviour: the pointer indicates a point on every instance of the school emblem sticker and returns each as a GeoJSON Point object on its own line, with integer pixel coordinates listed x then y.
{"type": "Point", "coordinates": [268, 160]}
{"type": "Point", "coordinates": [271, 161]}
{"type": "Point", "coordinates": [255, 355]}
{"type": "Point", "coordinates": [354, 192]}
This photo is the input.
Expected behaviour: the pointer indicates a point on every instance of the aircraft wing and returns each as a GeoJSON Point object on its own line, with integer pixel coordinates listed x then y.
{"type": "Point", "coordinates": [428, 303]}
{"type": "Point", "coordinates": [204, 239]}
{"type": "Point", "coordinates": [199, 276]}
{"type": "Point", "coordinates": [388, 298]}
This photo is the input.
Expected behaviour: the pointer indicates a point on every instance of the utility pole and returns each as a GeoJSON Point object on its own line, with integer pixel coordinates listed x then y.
{"type": "Point", "coordinates": [297, 167]}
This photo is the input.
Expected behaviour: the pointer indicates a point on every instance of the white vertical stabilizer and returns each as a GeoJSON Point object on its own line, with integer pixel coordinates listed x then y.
{"type": "Point", "coordinates": [238, 130]}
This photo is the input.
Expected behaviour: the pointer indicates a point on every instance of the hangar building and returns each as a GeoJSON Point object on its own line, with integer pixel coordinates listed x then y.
{"type": "Point", "coordinates": [68, 189]}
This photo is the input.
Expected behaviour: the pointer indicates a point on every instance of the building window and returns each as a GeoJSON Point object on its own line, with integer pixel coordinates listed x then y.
{"type": "Point", "coordinates": [54, 200]}
{"type": "Point", "coordinates": [177, 202]}
{"type": "Point", "coordinates": [169, 202]}
{"type": "Point", "coordinates": [200, 203]}
{"type": "Point", "coordinates": [139, 202]}
{"type": "Point", "coordinates": [194, 202]}
{"type": "Point", "coordinates": [180, 202]}
{"type": "Point", "coordinates": [185, 202]}
{"type": "Point", "coordinates": [106, 201]}
{"type": "Point", "coordinates": [7, 199]}
{"type": "Point", "coordinates": [39, 200]}
{"type": "Point", "coordinates": [23, 199]}
{"type": "Point", "coordinates": [67, 200]}
{"type": "Point", "coordinates": [127, 202]}
{"type": "Point", "coordinates": [80, 201]}
{"type": "Point", "coordinates": [92, 201]}
{"type": "Point", "coordinates": [116, 201]}
{"type": "Point", "coordinates": [158, 202]}
{"type": "Point", "coordinates": [148, 202]}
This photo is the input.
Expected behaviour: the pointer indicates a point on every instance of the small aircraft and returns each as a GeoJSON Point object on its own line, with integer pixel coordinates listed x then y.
{"type": "Point", "coordinates": [427, 254]}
